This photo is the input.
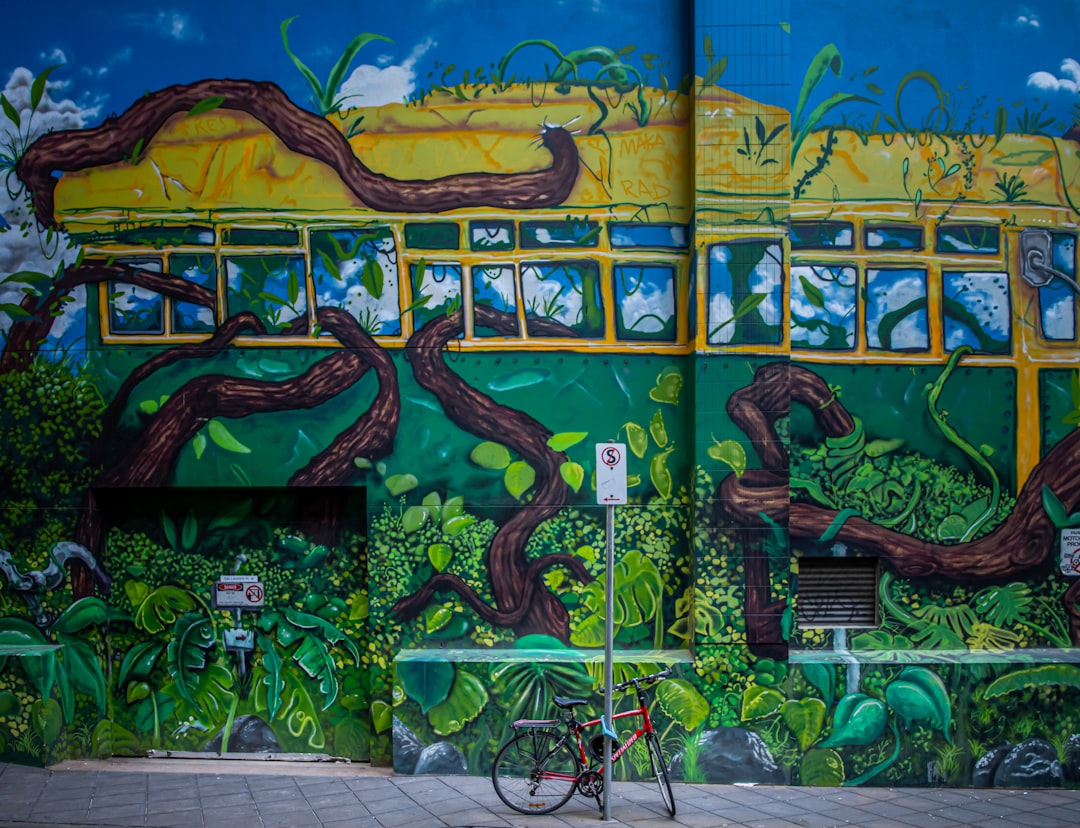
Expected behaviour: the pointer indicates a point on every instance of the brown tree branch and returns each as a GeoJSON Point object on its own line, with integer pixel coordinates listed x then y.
{"type": "Point", "coordinates": [513, 587]}
{"type": "Point", "coordinates": [24, 336]}
{"type": "Point", "coordinates": [1019, 544]}
{"type": "Point", "coordinates": [303, 132]}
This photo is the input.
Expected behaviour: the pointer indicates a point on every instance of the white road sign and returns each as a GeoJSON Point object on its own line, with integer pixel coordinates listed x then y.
{"type": "Point", "coordinates": [610, 474]}
{"type": "Point", "coordinates": [1070, 552]}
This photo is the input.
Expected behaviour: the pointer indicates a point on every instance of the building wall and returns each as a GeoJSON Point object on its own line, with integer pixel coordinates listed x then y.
{"type": "Point", "coordinates": [364, 353]}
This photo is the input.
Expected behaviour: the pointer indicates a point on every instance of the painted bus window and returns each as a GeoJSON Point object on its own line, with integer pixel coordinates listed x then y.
{"type": "Point", "coordinates": [968, 238]}
{"type": "Point", "coordinates": [491, 235]}
{"type": "Point", "coordinates": [432, 235]}
{"type": "Point", "coordinates": [823, 307]}
{"type": "Point", "coordinates": [199, 269]}
{"type": "Point", "coordinates": [562, 299]}
{"type": "Point", "coordinates": [893, 237]}
{"type": "Point", "coordinates": [745, 293]}
{"type": "Point", "coordinates": [976, 308]}
{"type": "Point", "coordinates": [821, 235]}
{"type": "Point", "coordinates": [569, 232]}
{"type": "Point", "coordinates": [645, 302]}
{"type": "Point", "coordinates": [134, 309]}
{"type": "Point", "coordinates": [657, 236]}
{"type": "Point", "coordinates": [271, 287]}
{"type": "Point", "coordinates": [1057, 300]}
{"type": "Point", "coordinates": [261, 237]}
{"type": "Point", "coordinates": [436, 290]}
{"type": "Point", "coordinates": [896, 318]}
{"type": "Point", "coordinates": [356, 269]}
{"type": "Point", "coordinates": [493, 286]}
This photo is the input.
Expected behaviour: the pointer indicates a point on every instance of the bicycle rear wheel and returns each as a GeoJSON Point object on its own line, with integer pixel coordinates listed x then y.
{"type": "Point", "coordinates": [659, 772]}
{"type": "Point", "coordinates": [535, 772]}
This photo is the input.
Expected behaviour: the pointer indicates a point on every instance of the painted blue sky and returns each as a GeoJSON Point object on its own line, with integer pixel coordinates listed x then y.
{"type": "Point", "coordinates": [112, 52]}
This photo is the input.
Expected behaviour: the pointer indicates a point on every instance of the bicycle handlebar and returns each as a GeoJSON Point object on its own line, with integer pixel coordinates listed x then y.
{"type": "Point", "coordinates": [652, 678]}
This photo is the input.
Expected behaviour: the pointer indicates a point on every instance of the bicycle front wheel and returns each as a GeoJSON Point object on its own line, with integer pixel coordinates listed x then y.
{"type": "Point", "coordinates": [659, 772]}
{"type": "Point", "coordinates": [535, 773]}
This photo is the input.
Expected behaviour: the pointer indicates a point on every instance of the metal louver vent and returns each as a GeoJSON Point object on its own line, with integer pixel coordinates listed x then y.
{"type": "Point", "coordinates": [837, 592]}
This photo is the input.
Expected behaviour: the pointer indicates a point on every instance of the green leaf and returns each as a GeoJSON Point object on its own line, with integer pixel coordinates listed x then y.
{"type": "Point", "coordinates": [566, 439]}
{"type": "Point", "coordinates": [10, 111]}
{"type": "Point", "coordinates": [1055, 509]}
{"type": "Point", "coordinates": [759, 702]}
{"type": "Point", "coordinates": [490, 455]}
{"type": "Point", "coordinates": [822, 677]}
{"type": "Point", "coordinates": [468, 698]}
{"type": "Point", "coordinates": [456, 525]}
{"type": "Point", "coordinates": [189, 532]}
{"type": "Point", "coordinates": [918, 695]}
{"type": "Point", "coordinates": [822, 767]}
{"type": "Point", "coordinates": [37, 89]}
{"type": "Point", "coordinates": [731, 453]}
{"type": "Point", "coordinates": [163, 607]}
{"type": "Point", "coordinates": [573, 474]}
{"type": "Point", "coordinates": [83, 669]}
{"type": "Point", "coordinates": [667, 388]}
{"type": "Point", "coordinates": [86, 612]}
{"type": "Point", "coordinates": [199, 445]}
{"type": "Point", "coordinates": [382, 716]}
{"type": "Point", "coordinates": [223, 438]}
{"type": "Point", "coordinates": [805, 718]}
{"type": "Point", "coordinates": [414, 518]}
{"type": "Point", "coordinates": [272, 681]}
{"type": "Point", "coordinates": [10, 706]}
{"type": "Point", "coordinates": [139, 661]}
{"type": "Point", "coordinates": [1045, 675]}
{"type": "Point", "coordinates": [660, 475]}
{"type": "Point", "coordinates": [206, 105]}
{"type": "Point", "coordinates": [437, 617]}
{"type": "Point", "coordinates": [398, 484]}
{"type": "Point", "coordinates": [528, 686]}
{"type": "Point", "coordinates": [426, 682]}
{"type": "Point", "coordinates": [192, 637]}
{"type": "Point", "coordinates": [658, 430]}
{"type": "Point", "coordinates": [20, 633]}
{"type": "Point", "coordinates": [519, 478]}
{"type": "Point", "coordinates": [682, 702]}
{"type": "Point", "coordinates": [858, 720]}
{"type": "Point", "coordinates": [637, 438]}
{"type": "Point", "coordinates": [231, 516]}
{"type": "Point", "coordinates": [372, 278]}
{"type": "Point", "coordinates": [826, 60]}
{"type": "Point", "coordinates": [440, 554]}
{"type": "Point", "coordinates": [813, 293]}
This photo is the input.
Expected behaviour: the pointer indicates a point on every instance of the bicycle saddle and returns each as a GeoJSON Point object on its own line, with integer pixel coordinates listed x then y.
{"type": "Point", "coordinates": [562, 701]}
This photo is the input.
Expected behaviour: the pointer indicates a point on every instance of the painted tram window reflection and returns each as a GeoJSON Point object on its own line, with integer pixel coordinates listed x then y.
{"type": "Point", "coordinates": [896, 318]}
{"type": "Point", "coordinates": [645, 300]}
{"type": "Point", "coordinates": [745, 293]}
{"type": "Point", "coordinates": [976, 308]}
{"type": "Point", "coordinates": [823, 307]}
{"type": "Point", "coordinates": [357, 270]}
{"type": "Point", "coordinates": [271, 287]}
{"type": "Point", "coordinates": [134, 309]}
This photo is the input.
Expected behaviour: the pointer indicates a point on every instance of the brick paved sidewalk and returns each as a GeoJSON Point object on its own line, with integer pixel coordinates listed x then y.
{"type": "Point", "coordinates": [236, 794]}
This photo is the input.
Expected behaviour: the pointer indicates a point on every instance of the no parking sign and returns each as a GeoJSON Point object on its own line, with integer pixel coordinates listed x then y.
{"type": "Point", "coordinates": [1070, 552]}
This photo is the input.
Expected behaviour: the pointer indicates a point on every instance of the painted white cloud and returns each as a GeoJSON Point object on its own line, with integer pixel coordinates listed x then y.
{"type": "Point", "coordinates": [377, 85]}
{"type": "Point", "coordinates": [32, 252]}
{"type": "Point", "coordinates": [168, 23]}
{"type": "Point", "coordinates": [115, 59]}
{"type": "Point", "coordinates": [1027, 18]}
{"type": "Point", "coordinates": [1067, 79]}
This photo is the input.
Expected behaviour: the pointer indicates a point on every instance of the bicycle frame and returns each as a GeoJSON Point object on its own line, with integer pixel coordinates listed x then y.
{"type": "Point", "coordinates": [574, 729]}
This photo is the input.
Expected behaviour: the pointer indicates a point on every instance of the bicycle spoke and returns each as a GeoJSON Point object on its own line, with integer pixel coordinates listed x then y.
{"type": "Point", "coordinates": [535, 773]}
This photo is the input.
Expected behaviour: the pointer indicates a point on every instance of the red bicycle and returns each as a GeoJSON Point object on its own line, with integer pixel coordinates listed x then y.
{"type": "Point", "coordinates": [540, 768]}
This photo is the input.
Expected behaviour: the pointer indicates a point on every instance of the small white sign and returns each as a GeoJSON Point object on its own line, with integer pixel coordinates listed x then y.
{"type": "Point", "coordinates": [239, 592]}
{"type": "Point", "coordinates": [610, 474]}
{"type": "Point", "coordinates": [1070, 552]}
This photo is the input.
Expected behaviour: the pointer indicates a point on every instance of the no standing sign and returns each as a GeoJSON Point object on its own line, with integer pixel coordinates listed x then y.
{"type": "Point", "coordinates": [610, 474]}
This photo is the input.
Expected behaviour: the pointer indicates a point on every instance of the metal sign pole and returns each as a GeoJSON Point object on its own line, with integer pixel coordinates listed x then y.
{"type": "Point", "coordinates": [609, 650]}
{"type": "Point", "coordinates": [610, 490]}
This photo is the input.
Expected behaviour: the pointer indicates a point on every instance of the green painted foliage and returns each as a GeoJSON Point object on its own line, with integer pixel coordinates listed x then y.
{"type": "Point", "coordinates": [426, 682]}
{"type": "Point", "coordinates": [857, 720]}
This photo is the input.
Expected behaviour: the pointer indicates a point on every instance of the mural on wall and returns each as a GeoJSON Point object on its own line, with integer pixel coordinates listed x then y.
{"type": "Point", "coordinates": [358, 337]}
